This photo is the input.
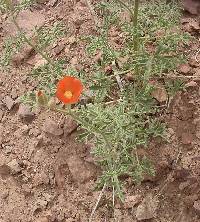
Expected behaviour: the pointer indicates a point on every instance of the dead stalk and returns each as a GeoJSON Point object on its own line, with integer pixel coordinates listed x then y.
{"type": "Point", "coordinates": [97, 203]}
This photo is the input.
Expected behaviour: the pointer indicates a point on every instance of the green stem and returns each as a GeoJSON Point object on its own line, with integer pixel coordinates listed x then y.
{"type": "Point", "coordinates": [95, 131]}
{"type": "Point", "coordinates": [126, 7]}
{"type": "Point", "coordinates": [135, 23]}
{"type": "Point", "coordinates": [30, 43]}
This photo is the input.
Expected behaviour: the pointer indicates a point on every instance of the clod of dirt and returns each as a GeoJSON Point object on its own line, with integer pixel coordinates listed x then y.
{"type": "Point", "coordinates": [40, 178]}
{"type": "Point", "coordinates": [131, 201]}
{"type": "Point", "coordinates": [52, 128]}
{"type": "Point", "coordinates": [27, 20]}
{"type": "Point", "coordinates": [184, 69]}
{"type": "Point", "coordinates": [25, 113]}
{"type": "Point", "coordinates": [9, 102]}
{"type": "Point", "coordinates": [159, 92]}
{"type": "Point", "coordinates": [81, 171]}
{"type": "Point", "coordinates": [70, 126]}
{"type": "Point", "coordinates": [4, 171]}
{"type": "Point", "coordinates": [14, 166]}
{"type": "Point", "coordinates": [147, 209]}
{"type": "Point", "coordinates": [196, 205]}
{"type": "Point", "coordinates": [192, 6]}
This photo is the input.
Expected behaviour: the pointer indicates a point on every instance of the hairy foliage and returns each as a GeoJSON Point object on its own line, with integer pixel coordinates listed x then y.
{"type": "Point", "coordinates": [120, 116]}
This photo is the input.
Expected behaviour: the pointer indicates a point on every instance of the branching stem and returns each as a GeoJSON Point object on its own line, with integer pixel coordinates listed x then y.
{"type": "Point", "coordinates": [30, 43]}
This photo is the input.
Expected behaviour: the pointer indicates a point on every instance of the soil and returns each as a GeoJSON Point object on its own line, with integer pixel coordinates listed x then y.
{"type": "Point", "coordinates": [46, 176]}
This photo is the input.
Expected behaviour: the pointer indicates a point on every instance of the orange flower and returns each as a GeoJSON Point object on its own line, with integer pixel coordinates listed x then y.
{"type": "Point", "coordinates": [69, 90]}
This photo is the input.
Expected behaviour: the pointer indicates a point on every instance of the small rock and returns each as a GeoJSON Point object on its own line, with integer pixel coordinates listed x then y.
{"type": "Point", "coordinates": [4, 171]}
{"type": "Point", "coordinates": [147, 209]}
{"type": "Point", "coordinates": [184, 69]}
{"type": "Point", "coordinates": [14, 94]}
{"type": "Point", "coordinates": [69, 126]}
{"type": "Point", "coordinates": [159, 92]}
{"type": "Point", "coordinates": [131, 201]}
{"type": "Point", "coordinates": [81, 171]}
{"type": "Point", "coordinates": [14, 166]}
{"type": "Point", "coordinates": [47, 197]}
{"type": "Point", "coordinates": [1, 114]}
{"type": "Point", "coordinates": [40, 178]}
{"type": "Point", "coordinates": [40, 62]}
{"type": "Point", "coordinates": [189, 200]}
{"type": "Point", "coordinates": [118, 215]}
{"type": "Point", "coordinates": [9, 102]}
{"type": "Point", "coordinates": [41, 203]}
{"type": "Point", "coordinates": [42, 219]}
{"type": "Point", "coordinates": [27, 20]}
{"type": "Point", "coordinates": [196, 205]}
{"type": "Point", "coordinates": [25, 113]}
{"type": "Point", "coordinates": [58, 49]}
{"type": "Point", "coordinates": [191, 84]}
{"type": "Point", "coordinates": [24, 130]}
{"type": "Point", "coordinates": [8, 149]}
{"type": "Point", "coordinates": [52, 128]}
{"type": "Point", "coordinates": [5, 194]}
{"type": "Point", "coordinates": [186, 138]}
{"type": "Point", "coordinates": [183, 185]}
{"type": "Point", "coordinates": [34, 131]}
{"type": "Point", "coordinates": [193, 62]}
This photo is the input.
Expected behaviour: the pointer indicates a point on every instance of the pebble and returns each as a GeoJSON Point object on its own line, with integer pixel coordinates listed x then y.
{"type": "Point", "coordinates": [42, 219]}
{"type": "Point", "coordinates": [184, 69]}
{"type": "Point", "coordinates": [25, 113]}
{"type": "Point", "coordinates": [81, 171]}
{"type": "Point", "coordinates": [5, 194]}
{"type": "Point", "coordinates": [191, 84]}
{"type": "Point", "coordinates": [40, 178]}
{"type": "Point", "coordinates": [196, 205]}
{"type": "Point", "coordinates": [1, 114]}
{"type": "Point", "coordinates": [52, 128]}
{"type": "Point", "coordinates": [9, 102]}
{"type": "Point", "coordinates": [69, 126]}
{"type": "Point", "coordinates": [131, 201]}
{"type": "Point", "coordinates": [147, 209]}
{"type": "Point", "coordinates": [14, 166]}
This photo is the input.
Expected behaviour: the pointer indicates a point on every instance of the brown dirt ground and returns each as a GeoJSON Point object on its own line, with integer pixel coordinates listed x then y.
{"type": "Point", "coordinates": [54, 176]}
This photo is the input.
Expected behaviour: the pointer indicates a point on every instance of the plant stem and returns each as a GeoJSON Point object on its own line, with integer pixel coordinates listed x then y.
{"type": "Point", "coordinates": [97, 203]}
{"type": "Point", "coordinates": [135, 24]}
{"type": "Point", "coordinates": [94, 130]}
{"type": "Point", "coordinates": [126, 7]}
{"type": "Point", "coordinates": [30, 43]}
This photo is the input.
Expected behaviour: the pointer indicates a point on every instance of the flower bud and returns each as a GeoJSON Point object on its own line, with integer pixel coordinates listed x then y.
{"type": "Point", "coordinates": [41, 98]}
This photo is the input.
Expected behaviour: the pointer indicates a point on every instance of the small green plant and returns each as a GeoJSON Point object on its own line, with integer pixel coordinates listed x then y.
{"type": "Point", "coordinates": [120, 116]}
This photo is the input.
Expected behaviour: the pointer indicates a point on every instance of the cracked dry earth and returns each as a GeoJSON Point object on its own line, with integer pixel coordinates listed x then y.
{"type": "Point", "coordinates": [46, 176]}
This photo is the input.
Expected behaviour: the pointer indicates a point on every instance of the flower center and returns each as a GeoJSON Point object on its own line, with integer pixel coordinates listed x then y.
{"type": "Point", "coordinates": [68, 94]}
